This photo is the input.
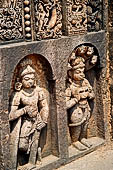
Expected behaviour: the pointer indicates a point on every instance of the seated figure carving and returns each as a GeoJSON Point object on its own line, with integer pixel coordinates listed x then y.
{"type": "Point", "coordinates": [78, 92]}
{"type": "Point", "coordinates": [28, 115]}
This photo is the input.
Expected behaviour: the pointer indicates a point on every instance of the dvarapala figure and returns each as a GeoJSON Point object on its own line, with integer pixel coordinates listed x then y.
{"type": "Point", "coordinates": [78, 92]}
{"type": "Point", "coordinates": [28, 115]}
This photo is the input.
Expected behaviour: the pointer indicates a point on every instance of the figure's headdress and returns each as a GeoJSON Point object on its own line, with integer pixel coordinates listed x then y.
{"type": "Point", "coordinates": [26, 67]}
{"type": "Point", "coordinates": [27, 70]}
{"type": "Point", "coordinates": [76, 62]}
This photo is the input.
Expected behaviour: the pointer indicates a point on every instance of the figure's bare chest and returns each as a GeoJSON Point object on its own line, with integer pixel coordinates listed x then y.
{"type": "Point", "coordinates": [29, 99]}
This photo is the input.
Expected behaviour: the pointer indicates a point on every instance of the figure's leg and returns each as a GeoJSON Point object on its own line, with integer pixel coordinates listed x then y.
{"type": "Point", "coordinates": [83, 135]}
{"type": "Point", "coordinates": [34, 147]}
{"type": "Point", "coordinates": [24, 143]}
{"type": "Point", "coordinates": [75, 134]}
{"type": "Point", "coordinates": [24, 138]}
{"type": "Point", "coordinates": [69, 135]}
{"type": "Point", "coordinates": [33, 152]}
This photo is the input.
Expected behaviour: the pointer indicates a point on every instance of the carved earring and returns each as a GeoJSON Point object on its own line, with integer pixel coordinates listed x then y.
{"type": "Point", "coordinates": [18, 86]}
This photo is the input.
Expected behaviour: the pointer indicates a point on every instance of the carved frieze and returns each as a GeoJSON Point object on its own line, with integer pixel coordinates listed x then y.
{"type": "Point", "coordinates": [48, 18]}
{"type": "Point", "coordinates": [42, 19]}
{"type": "Point", "coordinates": [76, 16]}
{"type": "Point", "coordinates": [94, 12]}
{"type": "Point", "coordinates": [11, 20]}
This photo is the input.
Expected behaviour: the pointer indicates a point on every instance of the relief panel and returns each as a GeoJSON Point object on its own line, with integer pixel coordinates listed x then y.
{"type": "Point", "coordinates": [94, 12]}
{"type": "Point", "coordinates": [11, 20]}
{"type": "Point", "coordinates": [48, 19]}
{"type": "Point", "coordinates": [76, 16]}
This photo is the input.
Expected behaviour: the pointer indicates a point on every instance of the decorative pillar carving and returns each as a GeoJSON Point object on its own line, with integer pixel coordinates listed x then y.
{"type": "Point", "coordinates": [27, 19]}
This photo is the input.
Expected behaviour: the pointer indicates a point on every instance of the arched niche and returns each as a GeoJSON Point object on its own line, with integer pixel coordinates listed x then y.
{"type": "Point", "coordinates": [85, 57]}
{"type": "Point", "coordinates": [44, 79]}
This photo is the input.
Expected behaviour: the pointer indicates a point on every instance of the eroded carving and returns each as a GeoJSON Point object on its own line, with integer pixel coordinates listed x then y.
{"type": "Point", "coordinates": [77, 16]}
{"type": "Point", "coordinates": [94, 12]}
{"type": "Point", "coordinates": [11, 20]}
{"type": "Point", "coordinates": [78, 94]}
{"type": "Point", "coordinates": [48, 19]}
{"type": "Point", "coordinates": [28, 116]}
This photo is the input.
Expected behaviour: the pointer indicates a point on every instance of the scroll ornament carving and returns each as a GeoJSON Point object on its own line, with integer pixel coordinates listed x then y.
{"type": "Point", "coordinates": [11, 20]}
{"type": "Point", "coordinates": [77, 16]}
{"type": "Point", "coordinates": [48, 19]}
{"type": "Point", "coordinates": [78, 93]}
{"type": "Point", "coordinates": [28, 116]}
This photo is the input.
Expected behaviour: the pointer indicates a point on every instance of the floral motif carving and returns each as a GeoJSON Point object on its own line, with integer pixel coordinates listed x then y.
{"type": "Point", "coordinates": [77, 16]}
{"type": "Point", "coordinates": [11, 20]}
{"type": "Point", "coordinates": [48, 19]}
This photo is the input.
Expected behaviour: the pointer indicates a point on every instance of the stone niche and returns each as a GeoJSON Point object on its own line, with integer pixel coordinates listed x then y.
{"type": "Point", "coordinates": [49, 60]}
{"type": "Point", "coordinates": [21, 136]}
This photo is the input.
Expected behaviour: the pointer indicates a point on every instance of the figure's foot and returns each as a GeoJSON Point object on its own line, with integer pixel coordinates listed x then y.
{"type": "Point", "coordinates": [39, 163]}
{"type": "Point", "coordinates": [85, 142]}
{"type": "Point", "coordinates": [79, 146]}
{"type": "Point", "coordinates": [27, 166]}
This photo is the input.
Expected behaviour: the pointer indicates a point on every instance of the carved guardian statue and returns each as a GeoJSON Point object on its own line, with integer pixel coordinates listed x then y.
{"type": "Point", "coordinates": [78, 93]}
{"type": "Point", "coordinates": [28, 115]}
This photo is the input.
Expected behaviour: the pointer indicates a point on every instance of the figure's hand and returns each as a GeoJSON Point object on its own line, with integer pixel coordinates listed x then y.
{"type": "Point", "coordinates": [31, 111]}
{"type": "Point", "coordinates": [41, 125]}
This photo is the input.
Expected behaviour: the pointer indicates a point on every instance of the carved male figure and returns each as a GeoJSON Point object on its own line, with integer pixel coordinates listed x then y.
{"type": "Point", "coordinates": [78, 92]}
{"type": "Point", "coordinates": [28, 115]}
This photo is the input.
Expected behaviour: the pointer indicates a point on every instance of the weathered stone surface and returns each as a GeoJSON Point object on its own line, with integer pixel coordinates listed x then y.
{"type": "Point", "coordinates": [55, 54]}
